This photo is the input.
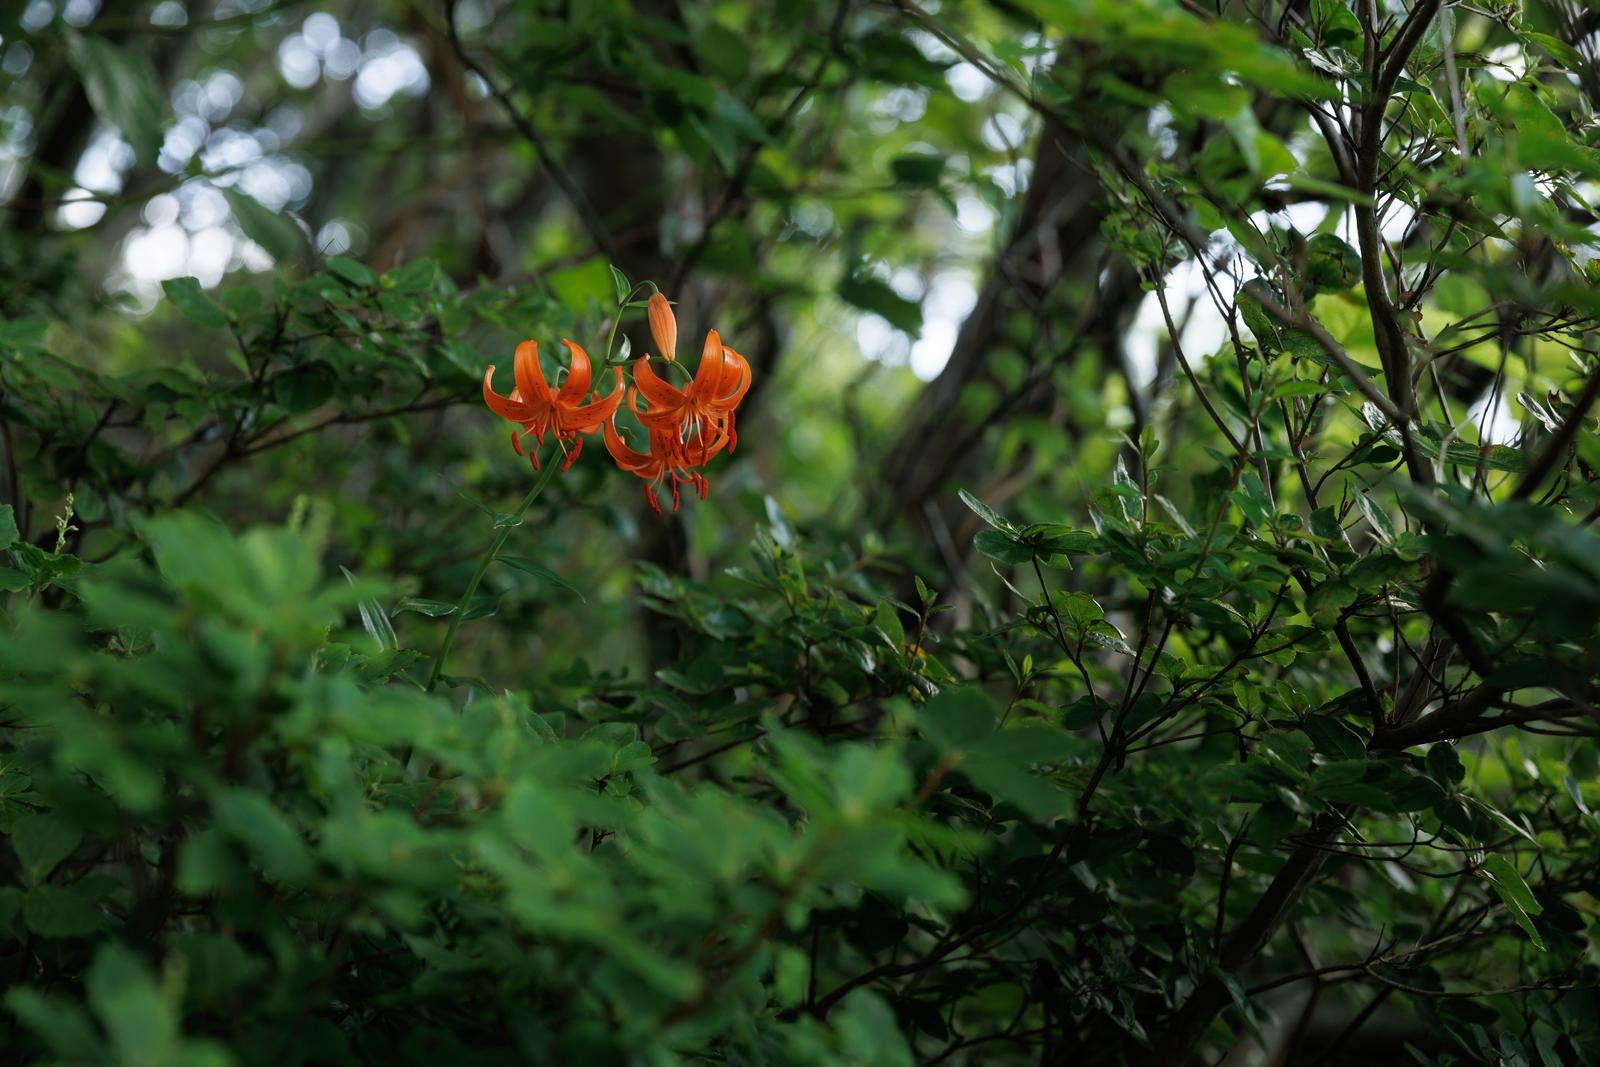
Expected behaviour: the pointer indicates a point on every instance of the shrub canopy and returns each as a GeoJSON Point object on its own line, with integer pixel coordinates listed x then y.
{"type": "Point", "coordinates": [1120, 587]}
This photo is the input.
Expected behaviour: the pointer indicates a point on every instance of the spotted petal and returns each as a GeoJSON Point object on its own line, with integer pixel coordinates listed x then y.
{"type": "Point", "coordinates": [530, 377]}
{"type": "Point", "coordinates": [578, 377]}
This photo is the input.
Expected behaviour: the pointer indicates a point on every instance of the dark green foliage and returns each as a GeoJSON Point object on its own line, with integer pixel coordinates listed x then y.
{"type": "Point", "coordinates": [1065, 710]}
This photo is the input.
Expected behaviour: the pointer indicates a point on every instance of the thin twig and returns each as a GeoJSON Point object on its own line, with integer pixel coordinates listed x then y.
{"type": "Point", "coordinates": [592, 224]}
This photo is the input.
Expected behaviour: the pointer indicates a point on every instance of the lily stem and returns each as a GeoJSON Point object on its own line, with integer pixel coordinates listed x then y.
{"type": "Point", "coordinates": [504, 525]}
{"type": "Point", "coordinates": [616, 321]}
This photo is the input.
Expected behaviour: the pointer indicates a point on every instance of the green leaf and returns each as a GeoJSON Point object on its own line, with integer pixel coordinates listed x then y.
{"type": "Point", "coordinates": [1514, 894]}
{"type": "Point", "coordinates": [304, 388]}
{"type": "Point", "coordinates": [374, 619]}
{"type": "Point", "coordinates": [1506, 877]}
{"type": "Point", "coordinates": [41, 842]}
{"type": "Point", "coordinates": [275, 232]}
{"type": "Point", "coordinates": [123, 88]}
{"type": "Point", "coordinates": [206, 864]}
{"type": "Point", "coordinates": [986, 513]}
{"type": "Point", "coordinates": [249, 818]}
{"type": "Point", "coordinates": [129, 1003]}
{"type": "Point", "coordinates": [1381, 526]}
{"type": "Point", "coordinates": [422, 606]}
{"type": "Point", "coordinates": [620, 281]}
{"type": "Point", "coordinates": [352, 271]}
{"type": "Point", "coordinates": [1444, 763]}
{"type": "Point", "coordinates": [1559, 50]}
{"type": "Point", "coordinates": [1331, 265]}
{"type": "Point", "coordinates": [8, 526]}
{"type": "Point", "coordinates": [1251, 497]}
{"type": "Point", "coordinates": [417, 275]}
{"type": "Point", "coordinates": [217, 966]}
{"type": "Point", "coordinates": [44, 568]}
{"type": "Point", "coordinates": [729, 112]}
{"type": "Point", "coordinates": [865, 779]}
{"type": "Point", "coordinates": [923, 169]}
{"type": "Point", "coordinates": [869, 1032]}
{"type": "Point", "coordinates": [725, 53]}
{"type": "Point", "coordinates": [1288, 390]}
{"type": "Point", "coordinates": [875, 295]}
{"type": "Point", "coordinates": [962, 724]}
{"type": "Point", "coordinates": [187, 296]}
{"type": "Point", "coordinates": [541, 572]}
{"type": "Point", "coordinates": [1036, 795]}
{"type": "Point", "coordinates": [888, 620]}
{"type": "Point", "coordinates": [1083, 609]}
{"type": "Point", "coordinates": [1271, 824]}
{"type": "Point", "coordinates": [63, 1026]}
{"type": "Point", "coordinates": [1334, 739]}
{"type": "Point", "coordinates": [1000, 548]}
{"type": "Point", "coordinates": [1502, 818]}
{"type": "Point", "coordinates": [1326, 603]}
{"type": "Point", "coordinates": [1431, 441]}
{"type": "Point", "coordinates": [62, 911]}
{"type": "Point", "coordinates": [956, 718]}
{"type": "Point", "coordinates": [1325, 524]}
{"type": "Point", "coordinates": [1346, 782]}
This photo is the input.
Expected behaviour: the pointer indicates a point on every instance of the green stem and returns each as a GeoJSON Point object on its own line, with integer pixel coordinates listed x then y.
{"type": "Point", "coordinates": [501, 535]}
{"type": "Point", "coordinates": [616, 321]}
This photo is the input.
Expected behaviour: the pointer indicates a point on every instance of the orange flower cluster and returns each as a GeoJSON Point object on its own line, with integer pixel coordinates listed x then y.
{"type": "Point", "coordinates": [685, 427]}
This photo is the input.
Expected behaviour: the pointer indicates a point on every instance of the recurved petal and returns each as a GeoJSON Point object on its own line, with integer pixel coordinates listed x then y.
{"type": "Point", "coordinates": [643, 464]}
{"type": "Point", "coordinates": [530, 378]}
{"type": "Point", "coordinates": [654, 418]}
{"type": "Point", "coordinates": [586, 418]}
{"type": "Point", "coordinates": [736, 380]}
{"type": "Point", "coordinates": [662, 396]}
{"type": "Point", "coordinates": [707, 443]}
{"type": "Point", "coordinates": [504, 406]}
{"type": "Point", "coordinates": [708, 376]}
{"type": "Point", "coordinates": [577, 383]}
{"type": "Point", "coordinates": [663, 326]}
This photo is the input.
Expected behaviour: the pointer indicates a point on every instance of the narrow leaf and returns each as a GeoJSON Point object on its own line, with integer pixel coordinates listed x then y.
{"type": "Point", "coordinates": [374, 619]}
{"type": "Point", "coordinates": [541, 572]}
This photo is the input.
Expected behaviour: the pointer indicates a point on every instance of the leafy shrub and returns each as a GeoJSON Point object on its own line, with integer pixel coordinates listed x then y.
{"type": "Point", "coordinates": [1046, 714]}
{"type": "Point", "coordinates": [242, 830]}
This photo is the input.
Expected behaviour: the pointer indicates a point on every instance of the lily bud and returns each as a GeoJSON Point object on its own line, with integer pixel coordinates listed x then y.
{"type": "Point", "coordinates": [663, 326]}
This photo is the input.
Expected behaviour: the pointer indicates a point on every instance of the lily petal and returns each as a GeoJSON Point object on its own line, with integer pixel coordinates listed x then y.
{"type": "Point", "coordinates": [662, 395]}
{"type": "Point", "coordinates": [530, 377]}
{"type": "Point", "coordinates": [586, 418]}
{"type": "Point", "coordinates": [708, 376]}
{"type": "Point", "coordinates": [627, 458]}
{"type": "Point", "coordinates": [739, 368]}
{"type": "Point", "coordinates": [507, 407]}
{"type": "Point", "coordinates": [577, 383]}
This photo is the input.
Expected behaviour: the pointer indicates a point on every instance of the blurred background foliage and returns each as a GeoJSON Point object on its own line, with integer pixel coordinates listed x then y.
{"type": "Point", "coordinates": [1150, 615]}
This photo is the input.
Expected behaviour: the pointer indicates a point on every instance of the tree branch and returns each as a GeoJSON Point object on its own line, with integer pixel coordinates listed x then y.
{"type": "Point", "coordinates": [592, 225]}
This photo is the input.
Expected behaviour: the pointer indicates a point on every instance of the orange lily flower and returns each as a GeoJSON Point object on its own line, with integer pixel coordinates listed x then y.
{"type": "Point", "coordinates": [540, 411]}
{"type": "Point", "coordinates": [669, 460]}
{"type": "Point", "coordinates": [688, 426]}
{"type": "Point", "coordinates": [704, 409]}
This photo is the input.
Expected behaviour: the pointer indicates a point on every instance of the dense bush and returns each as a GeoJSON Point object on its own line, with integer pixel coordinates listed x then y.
{"type": "Point", "coordinates": [1056, 714]}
